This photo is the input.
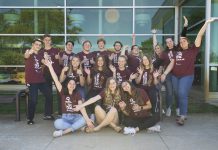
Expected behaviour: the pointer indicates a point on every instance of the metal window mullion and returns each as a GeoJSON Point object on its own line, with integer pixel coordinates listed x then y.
{"type": "Point", "coordinates": [31, 7]}
{"type": "Point", "coordinates": [176, 29]}
{"type": "Point", "coordinates": [65, 21]}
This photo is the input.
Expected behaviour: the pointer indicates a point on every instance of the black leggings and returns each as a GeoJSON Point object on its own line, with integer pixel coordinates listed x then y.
{"type": "Point", "coordinates": [141, 123]}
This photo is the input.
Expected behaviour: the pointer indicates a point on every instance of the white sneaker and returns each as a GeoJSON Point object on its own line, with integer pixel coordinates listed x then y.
{"type": "Point", "coordinates": [177, 112]}
{"type": "Point", "coordinates": [168, 112]}
{"type": "Point", "coordinates": [129, 130]}
{"type": "Point", "coordinates": [155, 128]}
{"type": "Point", "coordinates": [57, 133]}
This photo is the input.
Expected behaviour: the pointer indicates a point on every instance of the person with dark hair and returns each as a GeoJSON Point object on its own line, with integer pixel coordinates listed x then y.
{"type": "Point", "coordinates": [119, 50]}
{"type": "Point", "coordinates": [67, 55]}
{"type": "Point", "coordinates": [75, 71]}
{"type": "Point", "coordinates": [182, 66]}
{"type": "Point", "coordinates": [134, 59]}
{"type": "Point", "coordinates": [86, 57]}
{"type": "Point", "coordinates": [70, 120]}
{"type": "Point", "coordinates": [53, 54]}
{"type": "Point", "coordinates": [36, 81]}
{"type": "Point", "coordinates": [136, 109]}
{"type": "Point", "coordinates": [107, 113]}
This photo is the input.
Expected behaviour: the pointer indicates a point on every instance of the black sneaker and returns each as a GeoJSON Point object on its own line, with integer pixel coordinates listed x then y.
{"type": "Point", "coordinates": [48, 117]}
{"type": "Point", "coordinates": [30, 122]}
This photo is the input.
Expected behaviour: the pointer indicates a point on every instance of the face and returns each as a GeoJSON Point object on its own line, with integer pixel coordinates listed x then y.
{"type": "Point", "coordinates": [145, 61]}
{"type": "Point", "coordinates": [126, 86]}
{"type": "Point", "coordinates": [121, 62]}
{"type": "Point", "coordinates": [169, 43]}
{"type": "Point", "coordinates": [101, 45]}
{"type": "Point", "coordinates": [47, 41]}
{"type": "Point", "coordinates": [37, 45]}
{"type": "Point", "coordinates": [135, 50]}
{"type": "Point", "coordinates": [87, 46]}
{"type": "Point", "coordinates": [158, 50]}
{"type": "Point", "coordinates": [71, 85]}
{"type": "Point", "coordinates": [75, 62]}
{"type": "Point", "coordinates": [183, 43]}
{"type": "Point", "coordinates": [112, 85]}
{"type": "Point", "coordinates": [100, 62]}
{"type": "Point", "coordinates": [117, 47]}
{"type": "Point", "coordinates": [69, 46]}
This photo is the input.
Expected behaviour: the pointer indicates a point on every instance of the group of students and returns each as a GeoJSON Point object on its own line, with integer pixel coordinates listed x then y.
{"type": "Point", "coordinates": [110, 88]}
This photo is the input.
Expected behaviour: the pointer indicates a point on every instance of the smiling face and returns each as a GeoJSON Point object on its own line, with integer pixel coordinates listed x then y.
{"type": "Point", "coordinates": [36, 46]}
{"type": "Point", "coordinates": [121, 62]}
{"type": "Point", "coordinates": [101, 45]}
{"type": "Point", "coordinates": [69, 46]}
{"type": "Point", "coordinates": [87, 46]}
{"type": "Point", "coordinates": [135, 50]}
{"type": "Point", "coordinates": [183, 43]}
{"type": "Point", "coordinates": [117, 47]}
{"type": "Point", "coordinates": [145, 61]}
{"type": "Point", "coordinates": [112, 85]}
{"type": "Point", "coordinates": [47, 41]}
{"type": "Point", "coordinates": [158, 50]}
{"type": "Point", "coordinates": [100, 62]}
{"type": "Point", "coordinates": [126, 87]}
{"type": "Point", "coordinates": [75, 62]}
{"type": "Point", "coordinates": [169, 43]}
{"type": "Point", "coordinates": [71, 86]}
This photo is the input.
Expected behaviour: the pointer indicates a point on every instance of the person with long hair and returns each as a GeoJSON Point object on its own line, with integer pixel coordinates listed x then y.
{"type": "Point", "coordinates": [182, 66]}
{"type": "Point", "coordinates": [107, 114]}
{"type": "Point", "coordinates": [134, 59]}
{"type": "Point", "coordinates": [70, 120]}
{"type": "Point", "coordinates": [75, 71]}
{"type": "Point", "coordinates": [136, 107]}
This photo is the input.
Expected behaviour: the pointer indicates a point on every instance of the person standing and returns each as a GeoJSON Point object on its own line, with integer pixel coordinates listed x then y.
{"type": "Point", "coordinates": [36, 81]}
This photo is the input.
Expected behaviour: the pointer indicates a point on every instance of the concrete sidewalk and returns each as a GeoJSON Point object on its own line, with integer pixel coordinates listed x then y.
{"type": "Point", "coordinates": [199, 132]}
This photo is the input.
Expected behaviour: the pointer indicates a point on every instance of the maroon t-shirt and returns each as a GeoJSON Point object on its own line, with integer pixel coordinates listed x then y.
{"type": "Point", "coordinates": [66, 58]}
{"type": "Point", "coordinates": [166, 56]}
{"type": "Point", "coordinates": [132, 100]}
{"type": "Point", "coordinates": [122, 75]}
{"type": "Point", "coordinates": [52, 52]}
{"type": "Point", "coordinates": [74, 76]}
{"type": "Point", "coordinates": [86, 58]}
{"type": "Point", "coordinates": [115, 58]}
{"type": "Point", "coordinates": [133, 63]}
{"type": "Point", "coordinates": [33, 69]}
{"type": "Point", "coordinates": [104, 54]}
{"type": "Point", "coordinates": [68, 101]}
{"type": "Point", "coordinates": [184, 61]}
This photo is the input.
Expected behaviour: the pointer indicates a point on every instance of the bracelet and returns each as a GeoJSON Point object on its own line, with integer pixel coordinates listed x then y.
{"type": "Point", "coordinates": [80, 75]}
{"type": "Point", "coordinates": [165, 74]}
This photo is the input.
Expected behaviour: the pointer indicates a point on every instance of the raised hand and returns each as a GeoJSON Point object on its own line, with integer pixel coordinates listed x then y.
{"type": "Point", "coordinates": [156, 73]}
{"type": "Point", "coordinates": [112, 68]}
{"type": "Point", "coordinates": [185, 21]}
{"type": "Point", "coordinates": [111, 56]}
{"type": "Point", "coordinates": [133, 76]}
{"type": "Point", "coordinates": [140, 70]}
{"type": "Point", "coordinates": [210, 20]}
{"type": "Point", "coordinates": [154, 31]}
{"type": "Point", "coordinates": [87, 70]}
{"type": "Point", "coordinates": [136, 108]}
{"type": "Point", "coordinates": [79, 71]}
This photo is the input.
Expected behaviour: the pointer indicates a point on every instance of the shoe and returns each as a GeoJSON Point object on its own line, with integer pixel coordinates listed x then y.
{"type": "Point", "coordinates": [57, 133]}
{"type": "Point", "coordinates": [181, 121]}
{"type": "Point", "coordinates": [168, 112]}
{"type": "Point", "coordinates": [129, 130]}
{"type": "Point", "coordinates": [155, 128]}
{"type": "Point", "coordinates": [48, 117]}
{"type": "Point", "coordinates": [177, 112]}
{"type": "Point", "coordinates": [30, 122]}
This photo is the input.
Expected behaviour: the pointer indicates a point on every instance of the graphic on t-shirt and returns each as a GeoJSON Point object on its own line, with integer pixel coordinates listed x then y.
{"type": "Point", "coordinates": [115, 59]}
{"type": "Point", "coordinates": [86, 62]}
{"type": "Point", "coordinates": [119, 78]}
{"type": "Point", "coordinates": [36, 64]}
{"type": "Point", "coordinates": [68, 105]}
{"type": "Point", "coordinates": [145, 79]}
{"type": "Point", "coordinates": [96, 80]}
{"type": "Point", "coordinates": [179, 58]}
{"type": "Point", "coordinates": [170, 55]}
{"type": "Point", "coordinates": [131, 101]}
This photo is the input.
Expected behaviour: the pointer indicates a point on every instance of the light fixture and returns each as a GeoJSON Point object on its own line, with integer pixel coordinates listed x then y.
{"type": "Point", "coordinates": [142, 19]}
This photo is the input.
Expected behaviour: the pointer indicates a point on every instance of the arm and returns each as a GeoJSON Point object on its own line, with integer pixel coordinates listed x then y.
{"type": "Point", "coordinates": [113, 69]}
{"type": "Point", "coordinates": [88, 72]}
{"type": "Point", "coordinates": [53, 74]}
{"type": "Point", "coordinates": [81, 77]}
{"type": "Point", "coordinates": [167, 70]}
{"type": "Point", "coordinates": [91, 100]}
{"type": "Point", "coordinates": [154, 31]}
{"type": "Point", "coordinates": [28, 53]}
{"type": "Point", "coordinates": [63, 76]}
{"type": "Point", "coordinates": [138, 79]}
{"type": "Point", "coordinates": [137, 108]}
{"type": "Point", "coordinates": [185, 27]}
{"type": "Point", "coordinates": [201, 33]}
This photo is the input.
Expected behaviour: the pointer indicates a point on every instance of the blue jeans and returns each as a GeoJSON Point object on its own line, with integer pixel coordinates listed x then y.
{"type": "Point", "coordinates": [81, 91]}
{"type": "Point", "coordinates": [33, 92]}
{"type": "Point", "coordinates": [74, 121]}
{"type": "Point", "coordinates": [182, 86]}
{"type": "Point", "coordinates": [169, 91]}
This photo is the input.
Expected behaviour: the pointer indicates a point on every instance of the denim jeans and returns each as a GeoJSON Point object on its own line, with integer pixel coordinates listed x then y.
{"type": "Point", "coordinates": [74, 121]}
{"type": "Point", "coordinates": [169, 91]}
{"type": "Point", "coordinates": [33, 91]}
{"type": "Point", "coordinates": [182, 86]}
{"type": "Point", "coordinates": [81, 91]}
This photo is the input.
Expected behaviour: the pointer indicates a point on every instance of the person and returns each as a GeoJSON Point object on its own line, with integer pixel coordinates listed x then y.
{"type": "Point", "coordinates": [36, 81]}
{"type": "Point", "coordinates": [134, 59]}
{"type": "Point", "coordinates": [70, 120]}
{"type": "Point", "coordinates": [53, 54]}
{"type": "Point", "coordinates": [96, 79]}
{"type": "Point", "coordinates": [182, 66]}
{"type": "Point", "coordinates": [67, 55]}
{"type": "Point", "coordinates": [86, 57]}
{"type": "Point", "coordinates": [166, 57]}
{"type": "Point", "coordinates": [75, 71]}
{"type": "Point", "coordinates": [136, 109]}
{"type": "Point", "coordinates": [107, 113]}
{"type": "Point", "coordinates": [148, 80]}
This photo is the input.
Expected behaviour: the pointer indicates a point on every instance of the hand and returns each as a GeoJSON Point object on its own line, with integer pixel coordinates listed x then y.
{"type": "Point", "coordinates": [65, 69]}
{"type": "Point", "coordinates": [163, 77]}
{"type": "Point", "coordinates": [133, 76]}
{"type": "Point", "coordinates": [112, 68]}
{"type": "Point", "coordinates": [111, 56]}
{"type": "Point", "coordinates": [210, 20]}
{"type": "Point", "coordinates": [136, 108]}
{"type": "Point", "coordinates": [87, 70]}
{"type": "Point", "coordinates": [122, 105]}
{"type": "Point", "coordinates": [92, 61]}
{"type": "Point", "coordinates": [185, 21]}
{"type": "Point", "coordinates": [156, 73]}
{"type": "Point", "coordinates": [47, 62]}
{"type": "Point", "coordinates": [90, 123]}
{"type": "Point", "coordinates": [77, 107]}
{"type": "Point", "coordinates": [140, 70]}
{"type": "Point", "coordinates": [125, 47]}
{"type": "Point", "coordinates": [57, 56]}
{"type": "Point", "coordinates": [79, 71]}
{"type": "Point", "coordinates": [154, 31]}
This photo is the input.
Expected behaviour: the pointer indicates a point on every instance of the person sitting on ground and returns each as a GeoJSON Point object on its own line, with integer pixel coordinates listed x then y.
{"type": "Point", "coordinates": [70, 120]}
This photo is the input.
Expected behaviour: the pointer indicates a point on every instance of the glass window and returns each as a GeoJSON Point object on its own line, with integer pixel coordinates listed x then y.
{"type": "Point", "coordinates": [154, 3]}
{"type": "Point", "coordinates": [213, 82]}
{"type": "Point", "coordinates": [27, 21]}
{"type": "Point", "coordinates": [126, 40]}
{"type": "Point", "coordinates": [99, 2]}
{"type": "Point", "coordinates": [32, 3]}
{"type": "Point", "coordinates": [214, 43]}
{"type": "Point", "coordinates": [195, 3]}
{"type": "Point", "coordinates": [99, 21]}
{"type": "Point", "coordinates": [160, 19]}
{"type": "Point", "coordinates": [214, 8]}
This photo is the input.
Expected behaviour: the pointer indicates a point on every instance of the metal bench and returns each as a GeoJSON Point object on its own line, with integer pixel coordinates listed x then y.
{"type": "Point", "coordinates": [16, 98]}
